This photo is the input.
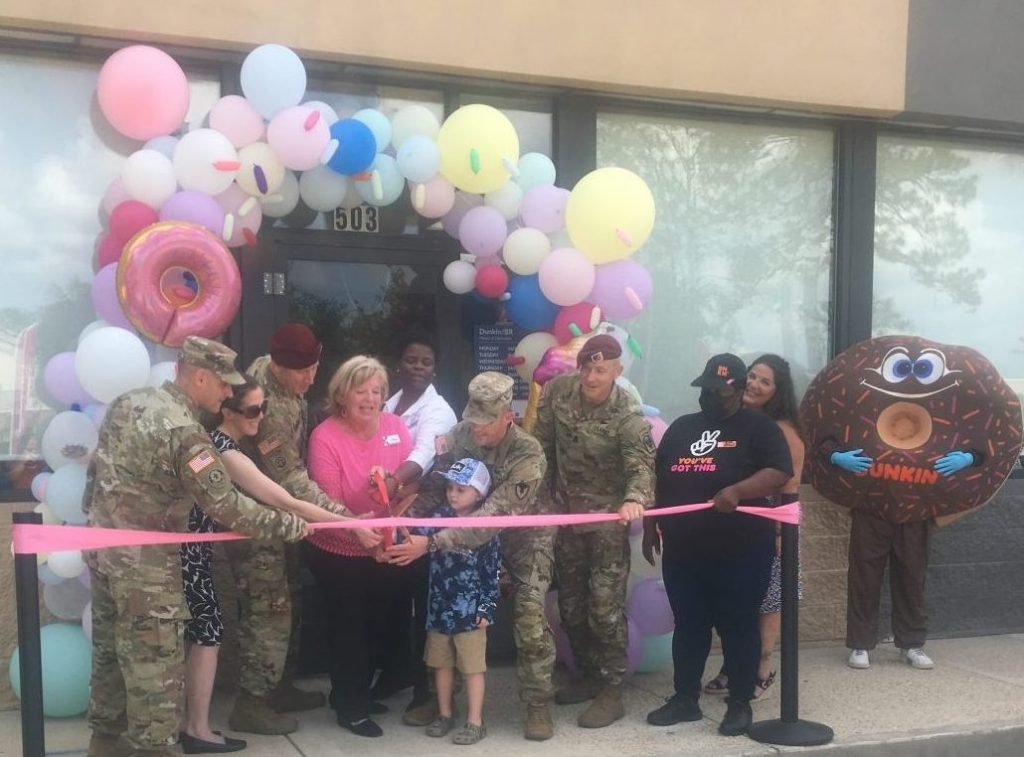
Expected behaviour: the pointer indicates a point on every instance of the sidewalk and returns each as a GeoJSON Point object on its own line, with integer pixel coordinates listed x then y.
{"type": "Point", "coordinates": [972, 703]}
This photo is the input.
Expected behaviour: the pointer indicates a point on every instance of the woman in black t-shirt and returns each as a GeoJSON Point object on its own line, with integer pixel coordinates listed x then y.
{"type": "Point", "coordinates": [716, 563]}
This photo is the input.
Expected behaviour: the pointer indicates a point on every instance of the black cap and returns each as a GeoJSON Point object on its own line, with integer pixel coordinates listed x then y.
{"type": "Point", "coordinates": [723, 370]}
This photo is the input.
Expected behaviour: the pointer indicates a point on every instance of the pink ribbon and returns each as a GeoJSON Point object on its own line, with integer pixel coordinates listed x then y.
{"type": "Point", "coordinates": [30, 538]}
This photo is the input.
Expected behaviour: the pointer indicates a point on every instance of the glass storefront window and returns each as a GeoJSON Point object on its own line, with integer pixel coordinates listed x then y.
{"type": "Point", "coordinates": [59, 156]}
{"type": "Point", "coordinates": [949, 231]}
{"type": "Point", "coordinates": [741, 249]}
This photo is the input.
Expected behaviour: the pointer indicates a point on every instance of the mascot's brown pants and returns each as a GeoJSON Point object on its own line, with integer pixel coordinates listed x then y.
{"type": "Point", "coordinates": [873, 543]}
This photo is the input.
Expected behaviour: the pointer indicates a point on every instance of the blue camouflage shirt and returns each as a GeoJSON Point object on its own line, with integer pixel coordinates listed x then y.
{"type": "Point", "coordinates": [463, 583]}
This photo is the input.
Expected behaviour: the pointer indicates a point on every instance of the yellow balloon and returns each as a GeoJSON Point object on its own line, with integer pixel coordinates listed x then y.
{"type": "Point", "coordinates": [610, 214]}
{"type": "Point", "coordinates": [479, 146]}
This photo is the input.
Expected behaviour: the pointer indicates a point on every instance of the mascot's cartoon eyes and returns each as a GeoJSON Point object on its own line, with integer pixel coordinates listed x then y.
{"type": "Point", "coordinates": [929, 367]}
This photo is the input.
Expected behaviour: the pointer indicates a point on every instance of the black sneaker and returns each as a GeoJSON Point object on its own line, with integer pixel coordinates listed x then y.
{"type": "Point", "coordinates": [737, 720]}
{"type": "Point", "coordinates": [361, 727]}
{"type": "Point", "coordinates": [677, 709]}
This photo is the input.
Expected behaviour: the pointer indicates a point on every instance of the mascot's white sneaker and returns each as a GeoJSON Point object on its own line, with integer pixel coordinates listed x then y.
{"type": "Point", "coordinates": [916, 658]}
{"type": "Point", "coordinates": [859, 659]}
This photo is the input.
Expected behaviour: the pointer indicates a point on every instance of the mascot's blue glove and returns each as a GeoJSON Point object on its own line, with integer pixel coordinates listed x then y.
{"type": "Point", "coordinates": [954, 461]}
{"type": "Point", "coordinates": [851, 461]}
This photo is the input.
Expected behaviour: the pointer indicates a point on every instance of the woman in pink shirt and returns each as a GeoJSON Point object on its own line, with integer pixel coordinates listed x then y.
{"type": "Point", "coordinates": [357, 589]}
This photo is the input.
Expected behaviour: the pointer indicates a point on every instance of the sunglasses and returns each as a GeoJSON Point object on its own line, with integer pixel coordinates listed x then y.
{"type": "Point", "coordinates": [253, 411]}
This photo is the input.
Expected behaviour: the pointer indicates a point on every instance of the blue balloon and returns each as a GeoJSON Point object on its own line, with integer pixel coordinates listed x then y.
{"type": "Point", "coordinates": [527, 306]}
{"type": "Point", "coordinates": [356, 147]}
{"type": "Point", "coordinates": [657, 654]}
{"type": "Point", "coordinates": [67, 665]}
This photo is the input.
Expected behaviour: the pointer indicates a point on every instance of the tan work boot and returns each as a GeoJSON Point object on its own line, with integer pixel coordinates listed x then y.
{"type": "Point", "coordinates": [252, 715]}
{"type": "Point", "coordinates": [538, 722]}
{"type": "Point", "coordinates": [580, 690]}
{"type": "Point", "coordinates": [288, 697]}
{"type": "Point", "coordinates": [421, 713]}
{"type": "Point", "coordinates": [101, 744]}
{"type": "Point", "coordinates": [605, 710]}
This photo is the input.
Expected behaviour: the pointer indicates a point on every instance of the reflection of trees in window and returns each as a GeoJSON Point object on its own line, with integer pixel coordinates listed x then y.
{"type": "Point", "coordinates": [742, 239]}
{"type": "Point", "coordinates": [921, 193]}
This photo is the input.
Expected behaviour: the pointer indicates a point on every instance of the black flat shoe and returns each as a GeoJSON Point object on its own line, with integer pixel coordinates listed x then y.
{"type": "Point", "coordinates": [361, 727]}
{"type": "Point", "coordinates": [193, 745]}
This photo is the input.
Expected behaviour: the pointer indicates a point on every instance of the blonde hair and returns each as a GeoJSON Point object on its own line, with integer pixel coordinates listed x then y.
{"type": "Point", "coordinates": [354, 372]}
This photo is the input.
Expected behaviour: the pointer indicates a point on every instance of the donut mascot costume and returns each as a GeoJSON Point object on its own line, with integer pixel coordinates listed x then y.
{"type": "Point", "coordinates": [903, 430]}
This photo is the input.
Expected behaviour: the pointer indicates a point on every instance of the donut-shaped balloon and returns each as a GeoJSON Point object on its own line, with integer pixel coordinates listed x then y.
{"type": "Point", "coordinates": [175, 280]}
{"type": "Point", "coordinates": [906, 402]}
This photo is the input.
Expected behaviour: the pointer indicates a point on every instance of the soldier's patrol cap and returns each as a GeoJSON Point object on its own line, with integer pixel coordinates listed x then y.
{"type": "Point", "coordinates": [214, 356]}
{"type": "Point", "coordinates": [490, 395]}
{"type": "Point", "coordinates": [598, 348]}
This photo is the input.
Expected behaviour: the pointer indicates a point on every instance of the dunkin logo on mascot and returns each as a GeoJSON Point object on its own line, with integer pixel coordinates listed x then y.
{"type": "Point", "coordinates": [906, 402]}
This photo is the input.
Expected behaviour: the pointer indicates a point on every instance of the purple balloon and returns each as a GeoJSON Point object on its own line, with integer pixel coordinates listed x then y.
{"type": "Point", "coordinates": [482, 231]}
{"type": "Point", "coordinates": [619, 287]}
{"type": "Point", "coordinates": [634, 646]}
{"type": "Point", "coordinates": [543, 208]}
{"type": "Point", "coordinates": [61, 382]}
{"type": "Point", "coordinates": [649, 609]}
{"type": "Point", "coordinates": [104, 298]}
{"type": "Point", "coordinates": [194, 207]}
{"type": "Point", "coordinates": [464, 202]}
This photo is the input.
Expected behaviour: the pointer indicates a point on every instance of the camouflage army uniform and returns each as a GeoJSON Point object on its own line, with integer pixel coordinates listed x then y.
{"type": "Point", "coordinates": [268, 573]}
{"type": "Point", "coordinates": [598, 458]}
{"type": "Point", "coordinates": [517, 468]}
{"type": "Point", "coordinates": [153, 462]}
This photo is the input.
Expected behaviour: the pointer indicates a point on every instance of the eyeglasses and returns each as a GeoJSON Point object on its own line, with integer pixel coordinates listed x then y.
{"type": "Point", "coordinates": [253, 411]}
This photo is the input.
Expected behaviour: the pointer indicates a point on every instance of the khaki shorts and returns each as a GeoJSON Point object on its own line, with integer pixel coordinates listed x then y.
{"type": "Point", "coordinates": [466, 651]}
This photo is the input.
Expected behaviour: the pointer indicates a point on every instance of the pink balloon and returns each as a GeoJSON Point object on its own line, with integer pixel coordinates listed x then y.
{"type": "Point", "coordinates": [438, 197]}
{"type": "Point", "coordinates": [194, 207]}
{"type": "Point", "coordinates": [244, 225]}
{"type": "Point", "coordinates": [621, 289]}
{"type": "Point", "coordinates": [464, 202]}
{"type": "Point", "coordinates": [129, 218]}
{"type": "Point", "coordinates": [235, 118]}
{"type": "Point", "coordinates": [108, 250]}
{"type": "Point", "coordinates": [648, 607]}
{"type": "Point", "coordinates": [482, 231]}
{"type": "Point", "coordinates": [543, 207]}
{"type": "Point", "coordinates": [491, 280]}
{"type": "Point", "coordinates": [299, 136]}
{"type": "Point", "coordinates": [579, 314]}
{"type": "Point", "coordinates": [566, 276]}
{"type": "Point", "coordinates": [104, 298]}
{"type": "Point", "coordinates": [61, 382]}
{"type": "Point", "coordinates": [114, 196]}
{"type": "Point", "coordinates": [658, 427]}
{"type": "Point", "coordinates": [143, 92]}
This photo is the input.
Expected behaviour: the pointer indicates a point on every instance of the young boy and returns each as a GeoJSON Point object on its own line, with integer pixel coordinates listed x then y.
{"type": "Point", "coordinates": [463, 597]}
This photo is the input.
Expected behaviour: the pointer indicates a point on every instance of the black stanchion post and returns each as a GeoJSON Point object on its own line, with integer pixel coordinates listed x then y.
{"type": "Point", "coordinates": [789, 729]}
{"type": "Point", "coordinates": [30, 657]}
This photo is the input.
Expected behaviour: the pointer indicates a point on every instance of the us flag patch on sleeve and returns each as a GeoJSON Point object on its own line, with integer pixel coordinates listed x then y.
{"type": "Point", "coordinates": [201, 461]}
{"type": "Point", "coordinates": [268, 445]}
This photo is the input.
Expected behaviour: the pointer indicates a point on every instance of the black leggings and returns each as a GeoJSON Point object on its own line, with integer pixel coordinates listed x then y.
{"type": "Point", "coordinates": [357, 593]}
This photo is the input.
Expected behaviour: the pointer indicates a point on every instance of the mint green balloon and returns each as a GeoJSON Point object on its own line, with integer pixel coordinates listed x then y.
{"type": "Point", "coordinates": [657, 654]}
{"type": "Point", "coordinates": [67, 665]}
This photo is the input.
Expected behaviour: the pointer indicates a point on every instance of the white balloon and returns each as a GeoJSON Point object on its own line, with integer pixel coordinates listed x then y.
{"type": "Point", "coordinates": [164, 144]}
{"type": "Point", "coordinates": [284, 200]}
{"type": "Point", "coordinates": [49, 519]}
{"type": "Point", "coordinates": [66, 563]}
{"type": "Point", "coordinates": [47, 576]}
{"type": "Point", "coordinates": [203, 160]}
{"type": "Point", "coordinates": [273, 78]}
{"type": "Point", "coordinates": [67, 600]}
{"type": "Point", "coordinates": [110, 362]}
{"type": "Point", "coordinates": [64, 494]}
{"type": "Point", "coordinates": [259, 154]}
{"type": "Point", "coordinates": [162, 372]}
{"type": "Point", "coordinates": [532, 348]}
{"type": "Point", "coordinates": [70, 437]}
{"type": "Point", "coordinates": [98, 324]}
{"type": "Point", "coordinates": [418, 158]}
{"type": "Point", "coordinates": [327, 113]}
{"type": "Point", "coordinates": [412, 120]}
{"type": "Point", "coordinates": [322, 189]}
{"type": "Point", "coordinates": [459, 277]}
{"type": "Point", "coordinates": [148, 176]}
{"type": "Point", "coordinates": [524, 250]}
{"type": "Point", "coordinates": [385, 184]}
{"type": "Point", "coordinates": [506, 199]}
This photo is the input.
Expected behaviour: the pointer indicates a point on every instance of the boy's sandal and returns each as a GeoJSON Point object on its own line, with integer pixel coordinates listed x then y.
{"type": "Point", "coordinates": [469, 734]}
{"type": "Point", "coordinates": [718, 685]}
{"type": "Point", "coordinates": [441, 726]}
{"type": "Point", "coordinates": [763, 686]}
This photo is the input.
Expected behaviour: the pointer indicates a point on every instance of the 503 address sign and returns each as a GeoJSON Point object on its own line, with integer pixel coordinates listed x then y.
{"type": "Point", "coordinates": [360, 218]}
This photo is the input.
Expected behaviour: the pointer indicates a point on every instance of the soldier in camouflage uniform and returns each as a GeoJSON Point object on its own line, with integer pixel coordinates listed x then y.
{"type": "Point", "coordinates": [516, 462]}
{"type": "Point", "coordinates": [600, 459]}
{"type": "Point", "coordinates": [153, 462]}
{"type": "Point", "coordinates": [268, 573]}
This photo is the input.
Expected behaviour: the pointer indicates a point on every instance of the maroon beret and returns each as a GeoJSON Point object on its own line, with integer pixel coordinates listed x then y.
{"type": "Point", "coordinates": [294, 346]}
{"type": "Point", "coordinates": [597, 348]}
